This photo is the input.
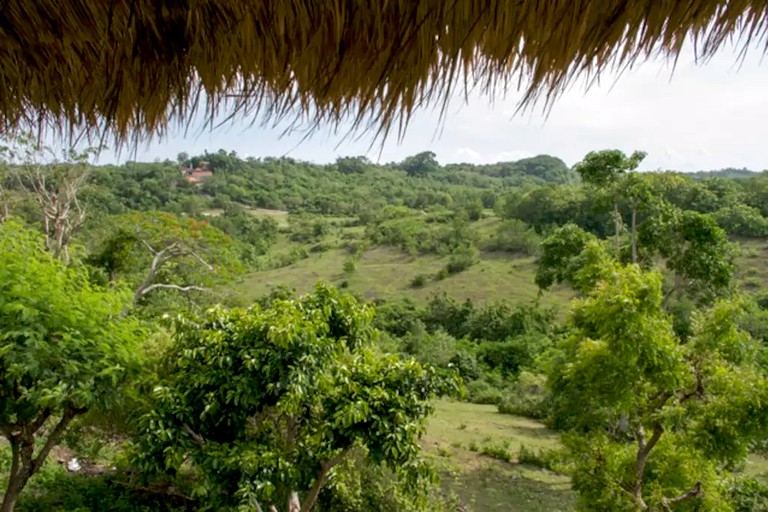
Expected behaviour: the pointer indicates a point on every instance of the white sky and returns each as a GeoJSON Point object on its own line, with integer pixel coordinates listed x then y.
{"type": "Point", "coordinates": [700, 117]}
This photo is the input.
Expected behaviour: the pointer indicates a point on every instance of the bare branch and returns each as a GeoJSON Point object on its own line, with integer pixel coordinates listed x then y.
{"type": "Point", "coordinates": [196, 438]}
{"type": "Point", "coordinates": [185, 289]}
{"type": "Point", "coordinates": [201, 260]}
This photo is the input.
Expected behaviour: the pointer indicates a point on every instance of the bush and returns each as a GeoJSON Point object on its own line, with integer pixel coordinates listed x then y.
{"type": "Point", "coordinates": [545, 459]}
{"type": "Point", "coordinates": [397, 318]}
{"type": "Point", "coordinates": [350, 265]}
{"type": "Point", "coordinates": [516, 237]}
{"type": "Point", "coordinates": [510, 356]}
{"type": "Point", "coordinates": [461, 260]}
{"type": "Point", "coordinates": [527, 397]}
{"type": "Point", "coordinates": [288, 258]}
{"type": "Point", "coordinates": [360, 485]}
{"type": "Point", "coordinates": [481, 392]}
{"type": "Point", "coordinates": [420, 281]}
{"type": "Point", "coordinates": [65, 492]}
{"type": "Point", "coordinates": [497, 451]}
{"type": "Point", "coordinates": [742, 220]}
{"type": "Point", "coordinates": [748, 495]}
{"type": "Point", "coordinates": [465, 363]}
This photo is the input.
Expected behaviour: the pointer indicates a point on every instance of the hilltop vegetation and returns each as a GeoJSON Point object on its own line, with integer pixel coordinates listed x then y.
{"type": "Point", "coordinates": [572, 315]}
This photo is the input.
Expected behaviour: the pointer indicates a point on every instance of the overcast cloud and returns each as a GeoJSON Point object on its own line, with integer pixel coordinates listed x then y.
{"type": "Point", "coordinates": [699, 117]}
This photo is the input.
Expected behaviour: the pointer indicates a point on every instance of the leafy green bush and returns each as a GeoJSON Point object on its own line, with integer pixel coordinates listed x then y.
{"type": "Point", "coordinates": [359, 485]}
{"type": "Point", "coordinates": [481, 392]}
{"type": "Point", "coordinates": [497, 451]}
{"type": "Point", "coordinates": [64, 492]}
{"type": "Point", "coordinates": [350, 265]}
{"type": "Point", "coordinates": [742, 220]}
{"type": "Point", "coordinates": [510, 356]}
{"type": "Point", "coordinates": [542, 458]}
{"type": "Point", "coordinates": [748, 495]}
{"type": "Point", "coordinates": [526, 397]}
{"type": "Point", "coordinates": [461, 260]}
{"type": "Point", "coordinates": [516, 237]}
{"type": "Point", "coordinates": [420, 281]}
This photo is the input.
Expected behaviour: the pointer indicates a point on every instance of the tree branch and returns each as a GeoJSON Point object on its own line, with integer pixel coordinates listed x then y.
{"type": "Point", "coordinates": [196, 438]}
{"type": "Point", "coordinates": [201, 260]}
{"type": "Point", "coordinates": [322, 475]}
{"type": "Point", "coordinates": [53, 438]}
{"type": "Point", "coordinates": [185, 289]}
{"type": "Point", "coordinates": [692, 493]}
{"type": "Point", "coordinates": [644, 447]}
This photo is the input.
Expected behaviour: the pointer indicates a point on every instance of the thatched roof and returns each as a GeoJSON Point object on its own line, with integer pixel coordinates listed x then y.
{"type": "Point", "coordinates": [133, 66]}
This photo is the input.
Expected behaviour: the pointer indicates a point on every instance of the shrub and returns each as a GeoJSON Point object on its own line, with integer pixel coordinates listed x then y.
{"type": "Point", "coordinates": [497, 451]}
{"type": "Point", "coordinates": [527, 397]}
{"type": "Point", "coordinates": [510, 356]}
{"type": "Point", "coordinates": [65, 492]}
{"type": "Point", "coordinates": [350, 265]}
{"type": "Point", "coordinates": [748, 495]}
{"type": "Point", "coordinates": [481, 392]}
{"type": "Point", "coordinates": [516, 237]}
{"type": "Point", "coordinates": [461, 260]}
{"type": "Point", "coordinates": [420, 281]}
{"type": "Point", "coordinates": [542, 458]}
{"type": "Point", "coordinates": [360, 485]}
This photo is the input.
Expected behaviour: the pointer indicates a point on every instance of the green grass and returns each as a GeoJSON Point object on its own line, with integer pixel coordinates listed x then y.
{"type": "Point", "coordinates": [483, 483]}
{"type": "Point", "coordinates": [387, 273]}
{"type": "Point", "coordinates": [751, 270]}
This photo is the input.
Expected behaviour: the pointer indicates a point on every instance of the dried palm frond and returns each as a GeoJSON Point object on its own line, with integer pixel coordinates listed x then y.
{"type": "Point", "coordinates": [130, 67]}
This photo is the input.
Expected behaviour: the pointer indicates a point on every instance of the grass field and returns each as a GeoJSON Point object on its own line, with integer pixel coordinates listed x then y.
{"type": "Point", "coordinates": [387, 273]}
{"type": "Point", "coordinates": [456, 436]}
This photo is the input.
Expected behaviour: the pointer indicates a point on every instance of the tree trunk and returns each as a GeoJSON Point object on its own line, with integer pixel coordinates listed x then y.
{"type": "Point", "coordinates": [15, 484]}
{"type": "Point", "coordinates": [644, 448]}
{"type": "Point", "coordinates": [24, 463]}
{"type": "Point", "coordinates": [633, 233]}
{"type": "Point", "coordinates": [617, 228]}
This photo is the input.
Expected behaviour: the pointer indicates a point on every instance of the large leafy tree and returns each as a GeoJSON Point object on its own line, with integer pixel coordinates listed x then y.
{"type": "Point", "coordinates": [63, 351]}
{"type": "Point", "coordinates": [264, 403]}
{"type": "Point", "coordinates": [692, 249]}
{"type": "Point", "coordinates": [655, 423]}
{"type": "Point", "coordinates": [605, 172]}
{"type": "Point", "coordinates": [420, 164]}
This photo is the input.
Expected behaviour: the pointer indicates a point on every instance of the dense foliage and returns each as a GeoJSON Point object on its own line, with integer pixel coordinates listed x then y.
{"type": "Point", "coordinates": [264, 403]}
{"type": "Point", "coordinates": [656, 378]}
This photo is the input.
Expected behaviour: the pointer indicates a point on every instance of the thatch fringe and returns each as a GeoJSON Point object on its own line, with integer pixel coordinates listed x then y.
{"type": "Point", "coordinates": [124, 67]}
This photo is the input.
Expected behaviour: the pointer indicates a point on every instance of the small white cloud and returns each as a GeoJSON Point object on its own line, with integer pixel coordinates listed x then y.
{"type": "Point", "coordinates": [466, 155]}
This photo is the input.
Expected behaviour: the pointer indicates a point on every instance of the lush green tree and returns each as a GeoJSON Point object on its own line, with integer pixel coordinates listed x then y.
{"type": "Point", "coordinates": [420, 164]}
{"type": "Point", "coordinates": [352, 164]}
{"type": "Point", "coordinates": [690, 246]}
{"type": "Point", "coordinates": [742, 220]}
{"type": "Point", "coordinates": [255, 235]}
{"type": "Point", "coordinates": [654, 423]}
{"type": "Point", "coordinates": [562, 256]}
{"type": "Point", "coordinates": [263, 403]}
{"type": "Point", "coordinates": [603, 171]}
{"type": "Point", "coordinates": [693, 248]}
{"type": "Point", "coordinates": [64, 350]}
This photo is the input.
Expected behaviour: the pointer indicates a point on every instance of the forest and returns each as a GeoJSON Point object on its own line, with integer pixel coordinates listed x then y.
{"type": "Point", "coordinates": [267, 334]}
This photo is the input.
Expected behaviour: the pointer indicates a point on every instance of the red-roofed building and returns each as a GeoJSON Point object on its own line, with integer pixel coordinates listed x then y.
{"type": "Point", "coordinates": [196, 175]}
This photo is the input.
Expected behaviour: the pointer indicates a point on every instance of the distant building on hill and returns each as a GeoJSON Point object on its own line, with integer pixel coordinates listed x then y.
{"type": "Point", "coordinates": [197, 175]}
